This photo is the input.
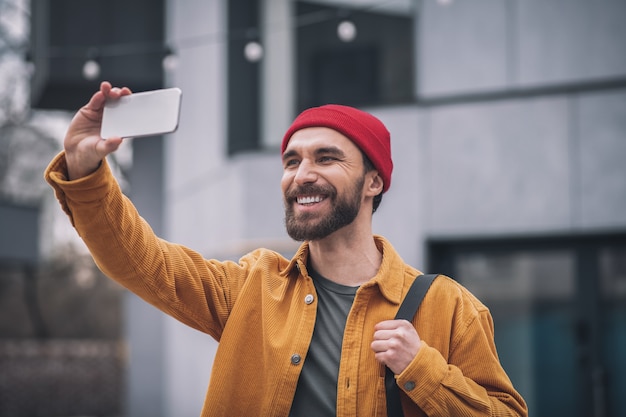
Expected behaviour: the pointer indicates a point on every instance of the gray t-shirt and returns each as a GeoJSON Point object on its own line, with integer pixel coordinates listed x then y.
{"type": "Point", "coordinates": [316, 393]}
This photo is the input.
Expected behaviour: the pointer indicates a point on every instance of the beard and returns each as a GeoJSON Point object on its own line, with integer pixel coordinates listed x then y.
{"type": "Point", "coordinates": [344, 210]}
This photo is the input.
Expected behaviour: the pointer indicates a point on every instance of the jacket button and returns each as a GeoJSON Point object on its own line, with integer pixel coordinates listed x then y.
{"type": "Point", "coordinates": [308, 299]}
{"type": "Point", "coordinates": [409, 386]}
{"type": "Point", "coordinates": [295, 359]}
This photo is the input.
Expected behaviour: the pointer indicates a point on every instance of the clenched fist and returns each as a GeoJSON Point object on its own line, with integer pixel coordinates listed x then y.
{"type": "Point", "coordinates": [395, 344]}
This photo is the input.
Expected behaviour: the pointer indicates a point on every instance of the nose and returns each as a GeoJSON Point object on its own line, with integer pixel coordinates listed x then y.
{"type": "Point", "coordinates": [305, 174]}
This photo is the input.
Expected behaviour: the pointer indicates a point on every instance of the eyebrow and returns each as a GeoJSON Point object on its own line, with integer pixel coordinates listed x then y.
{"type": "Point", "coordinates": [330, 150]}
{"type": "Point", "coordinates": [289, 154]}
{"type": "Point", "coordinates": [327, 150]}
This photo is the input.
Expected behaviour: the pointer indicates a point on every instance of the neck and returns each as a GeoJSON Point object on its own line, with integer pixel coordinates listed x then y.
{"type": "Point", "coordinates": [346, 257]}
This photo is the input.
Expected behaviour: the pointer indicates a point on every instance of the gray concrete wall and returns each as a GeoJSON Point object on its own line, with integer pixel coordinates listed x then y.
{"type": "Point", "coordinates": [499, 167]}
{"type": "Point", "coordinates": [531, 135]}
{"type": "Point", "coordinates": [539, 165]}
{"type": "Point", "coordinates": [599, 123]}
{"type": "Point", "coordinates": [491, 45]}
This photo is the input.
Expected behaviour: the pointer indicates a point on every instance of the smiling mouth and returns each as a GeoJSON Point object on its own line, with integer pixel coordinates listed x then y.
{"type": "Point", "coordinates": [310, 199]}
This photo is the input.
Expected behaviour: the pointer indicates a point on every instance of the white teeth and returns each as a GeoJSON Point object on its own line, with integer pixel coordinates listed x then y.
{"type": "Point", "coordinates": [309, 199]}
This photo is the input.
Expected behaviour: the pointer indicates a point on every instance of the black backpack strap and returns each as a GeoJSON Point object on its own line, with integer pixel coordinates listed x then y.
{"type": "Point", "coordinates": [407, 311]}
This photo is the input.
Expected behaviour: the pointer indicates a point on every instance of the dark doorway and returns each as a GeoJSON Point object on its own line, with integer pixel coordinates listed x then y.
{"type": "Point", "coordinates": [559, 308]}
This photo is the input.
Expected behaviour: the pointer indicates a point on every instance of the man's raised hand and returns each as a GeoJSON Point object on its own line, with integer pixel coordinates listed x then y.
{"type": "Point", "coordinates": [84, 147]}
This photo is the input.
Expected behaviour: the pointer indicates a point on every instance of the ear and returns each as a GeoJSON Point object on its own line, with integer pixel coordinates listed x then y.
{"type": "Point", "coordinates": [373, 184]}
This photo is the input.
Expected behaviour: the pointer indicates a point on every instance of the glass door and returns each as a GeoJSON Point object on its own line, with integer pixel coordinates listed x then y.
{"type": "Point", "coordinates": [559, 308]}
{"type": "Point", "coordinates": [613, 323]}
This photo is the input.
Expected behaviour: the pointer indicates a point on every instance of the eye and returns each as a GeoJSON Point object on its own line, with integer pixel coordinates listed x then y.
{"type": "Point", "coordinates": [291, 162]}
{"type": "Point", "coordinates": [326, 158]}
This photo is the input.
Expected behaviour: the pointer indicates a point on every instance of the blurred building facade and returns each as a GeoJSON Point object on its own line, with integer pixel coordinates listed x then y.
{"type": "Point", "coordinates": [508, 124]}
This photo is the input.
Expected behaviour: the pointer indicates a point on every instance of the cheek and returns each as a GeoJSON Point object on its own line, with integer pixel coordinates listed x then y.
{"type": "Point", "coordinates": [286, 181]}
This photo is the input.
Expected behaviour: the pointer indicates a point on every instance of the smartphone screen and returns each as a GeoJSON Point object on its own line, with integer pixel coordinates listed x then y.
{"type": "Point", "coordinates": [148, 113]}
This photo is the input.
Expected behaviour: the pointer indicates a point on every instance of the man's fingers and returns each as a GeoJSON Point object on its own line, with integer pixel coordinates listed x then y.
{"type": "Point", "coordinates": [113, 92]}
{"type": "Point", "coordinates": [391, 324]}
{"type": "Point", "coordinates": [106, 92]}
{"type": "Point", "coordinates": [384, 345]}
{"type": "Point", "coordinates": [93, 109]}
{"type": "Point", "coordinates": [110, 145]}
{"type": "Point", "coordinates": [384, 334]}
{"type": "Point", "coordinates": [105, 87]}
{"type": "Point", "coordinates": [386, 324]}
{"type": "Point", "coordinates": [96, 102]}
{"type": "Point", "coordinates": [395, 343]}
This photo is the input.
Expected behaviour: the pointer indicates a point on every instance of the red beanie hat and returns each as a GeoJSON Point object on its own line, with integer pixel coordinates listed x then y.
{"type": "Point", "coordinates": [365, 130]}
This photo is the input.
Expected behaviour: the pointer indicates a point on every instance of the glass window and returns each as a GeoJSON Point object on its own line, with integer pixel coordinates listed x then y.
{"type": "Point", "coordinates": [613, 273]}
{"type": "Point", "coordinates": [530, 295]}
{"type": "Point", "coordinates": [559, 310]}
{"type": "Point", "coordinates": [518, 276]}
{"type": "Point", "coordinates": [611, 382]}
{"type": "Point", "coordinates": [374, 67]}
{"type": "Point", "coordinates": [354, 52]}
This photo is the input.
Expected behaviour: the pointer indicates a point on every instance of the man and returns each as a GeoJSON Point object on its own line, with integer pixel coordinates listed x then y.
{"type": "Point", "coordinates": [311, 335]}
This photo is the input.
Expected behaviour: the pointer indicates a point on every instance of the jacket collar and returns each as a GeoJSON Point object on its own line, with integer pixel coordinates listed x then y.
{"type": "Point", "coordinates": [389, 278]}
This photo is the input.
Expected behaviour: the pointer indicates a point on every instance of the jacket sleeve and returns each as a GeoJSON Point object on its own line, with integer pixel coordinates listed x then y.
{"type": "Point", "coordinates": [470, 380]}
{"type": "Point", "coordinates": [172, 277]}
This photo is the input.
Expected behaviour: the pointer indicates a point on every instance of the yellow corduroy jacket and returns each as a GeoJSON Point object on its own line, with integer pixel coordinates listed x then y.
{"type": "Point", "coordinates": [262, 313]}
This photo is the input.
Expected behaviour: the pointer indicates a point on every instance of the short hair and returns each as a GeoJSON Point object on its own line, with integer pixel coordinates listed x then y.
{"type": "Point", "coordinates": [367, 167]}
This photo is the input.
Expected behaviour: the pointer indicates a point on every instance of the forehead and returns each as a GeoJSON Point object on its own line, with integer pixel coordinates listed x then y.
{"type": "Point", "coordinates": [313, 138]}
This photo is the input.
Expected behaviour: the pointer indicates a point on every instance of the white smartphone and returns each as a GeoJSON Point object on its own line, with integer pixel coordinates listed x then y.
{"type": "Point", "coordinates": [147, 113]}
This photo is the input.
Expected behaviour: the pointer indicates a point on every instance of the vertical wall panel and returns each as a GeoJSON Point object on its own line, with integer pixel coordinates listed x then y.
{"type": "Point", "coordinates": [462, 47]}
{"type": "Point", "coordinates": [499, 166]}
{"type": "Point", "coordinates": [601, 122]}
{"type": "Point", "coordinates": [564, 41]}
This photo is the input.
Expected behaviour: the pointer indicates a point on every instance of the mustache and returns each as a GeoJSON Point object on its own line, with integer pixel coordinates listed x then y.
{"type": "Point", "coordinates": [293, 192]}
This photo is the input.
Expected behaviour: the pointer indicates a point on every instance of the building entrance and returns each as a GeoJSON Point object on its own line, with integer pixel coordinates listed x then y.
{"type": "Point", "coordinates": [559, 308]}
